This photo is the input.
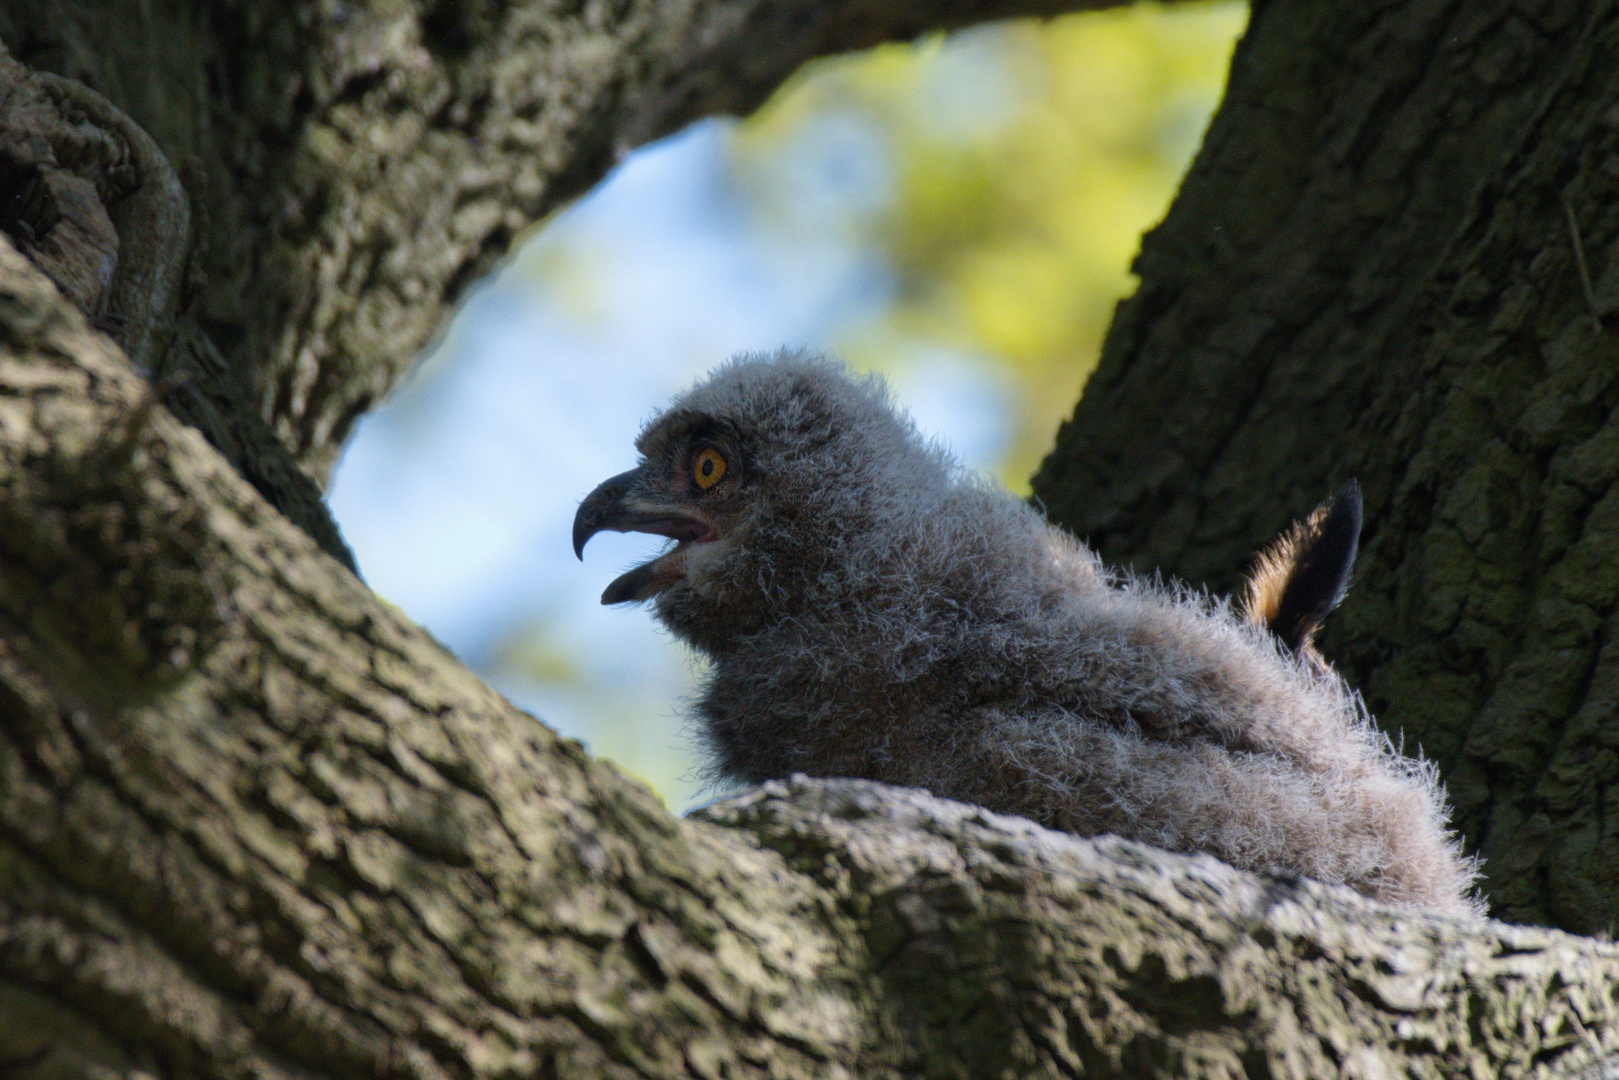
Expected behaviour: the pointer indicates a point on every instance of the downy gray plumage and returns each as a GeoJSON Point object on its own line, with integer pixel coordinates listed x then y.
{"type": "Point", "coordinates": [871, 609]}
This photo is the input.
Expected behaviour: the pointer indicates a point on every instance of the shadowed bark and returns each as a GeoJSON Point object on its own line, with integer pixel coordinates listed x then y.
{"type": "Point", "coordinates": [254, 824]}
{"type": "Point", "coordinates": [1394, 259]}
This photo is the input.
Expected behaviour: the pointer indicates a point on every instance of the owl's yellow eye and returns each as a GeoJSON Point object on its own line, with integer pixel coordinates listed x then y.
{"type": "Point", "coordinates": [707, 467]}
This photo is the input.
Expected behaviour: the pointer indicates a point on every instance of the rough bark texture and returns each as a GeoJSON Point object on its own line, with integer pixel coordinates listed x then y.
{"type": "Point", "coordinates": [1395, 259]}
{"type": "Point", "coordinates": [253, 824]}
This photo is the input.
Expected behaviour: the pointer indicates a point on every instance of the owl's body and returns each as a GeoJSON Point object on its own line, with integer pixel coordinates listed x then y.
{"type": "Point", "coordinates": [872, 611]}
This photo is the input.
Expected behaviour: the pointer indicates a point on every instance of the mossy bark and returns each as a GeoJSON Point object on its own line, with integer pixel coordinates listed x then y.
{"type": "Point", "coordinates": [253, 823]}
{"type": "Point", "coordinates": [1394, 259]}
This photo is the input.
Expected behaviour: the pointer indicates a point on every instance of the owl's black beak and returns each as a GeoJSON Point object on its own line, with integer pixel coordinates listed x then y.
{"type": "Point", "coordinates": [604, 509]}
{"type": "Point", "coordinates": [614, 507]}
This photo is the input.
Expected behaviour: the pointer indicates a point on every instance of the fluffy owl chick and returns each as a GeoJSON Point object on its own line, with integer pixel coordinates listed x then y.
{"type": "Point", "coordinates": [871, 610]}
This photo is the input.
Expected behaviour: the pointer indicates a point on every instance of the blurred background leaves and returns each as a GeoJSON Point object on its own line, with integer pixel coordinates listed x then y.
{"type": "Point", "coordinates": [1023, 162]}
{"type": "Point", "coordinates": [959, 214]}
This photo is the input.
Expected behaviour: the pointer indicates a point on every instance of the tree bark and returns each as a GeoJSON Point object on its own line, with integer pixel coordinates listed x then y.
{"type": "Point", "coordinates": [1394, 259]}
{"type": "Point", "coordinates": [253, 823]}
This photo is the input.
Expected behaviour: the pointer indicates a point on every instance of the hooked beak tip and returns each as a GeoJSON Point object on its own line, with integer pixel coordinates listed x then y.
{"type": "Point", "coordinates": [582, 532]}
{"type": "Point", "coordinates": [601, 509]}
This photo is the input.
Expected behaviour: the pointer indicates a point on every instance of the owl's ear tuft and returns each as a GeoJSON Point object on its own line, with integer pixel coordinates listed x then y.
{"type": "Point", "coordinates": [1304, 574]}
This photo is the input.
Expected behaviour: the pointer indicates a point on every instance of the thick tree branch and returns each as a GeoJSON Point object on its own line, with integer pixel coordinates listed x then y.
{"type": "Point", "coordinates": [254, 824]}
{"type": "Point", "coordinates": [1003, 949]}
{"type": "Point", "coordinates": [87, 194]}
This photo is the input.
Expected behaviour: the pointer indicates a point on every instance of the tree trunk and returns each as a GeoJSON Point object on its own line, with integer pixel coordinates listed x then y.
{"type": "Point", "coordinates": [253, 824]}
{"type": "Point", "coordinates": [1394, 259]}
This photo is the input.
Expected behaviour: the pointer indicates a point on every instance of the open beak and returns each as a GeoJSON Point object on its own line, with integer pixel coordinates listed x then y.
{"type": "Point", "coordinates": [614, 507]}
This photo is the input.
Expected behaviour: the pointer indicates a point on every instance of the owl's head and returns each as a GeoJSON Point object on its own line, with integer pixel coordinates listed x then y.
{"type": "Point", "coordinates": [767, 476]}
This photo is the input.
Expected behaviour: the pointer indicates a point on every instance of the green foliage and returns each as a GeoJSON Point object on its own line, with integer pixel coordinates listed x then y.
{"type": "Point", "coordinates": [1026, 161]}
